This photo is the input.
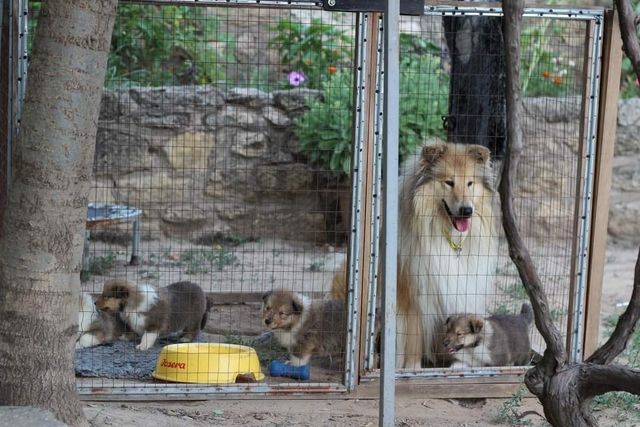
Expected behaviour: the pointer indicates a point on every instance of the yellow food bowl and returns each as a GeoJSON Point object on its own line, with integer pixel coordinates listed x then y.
{"type": "Point", "coordinates": [207, 363]}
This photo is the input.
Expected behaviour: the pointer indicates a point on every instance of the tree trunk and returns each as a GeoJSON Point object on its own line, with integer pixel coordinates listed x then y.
{"type": "Point", "coordinates": [43, 227]}
{"type": "Point", "coordinates": [477, 109]}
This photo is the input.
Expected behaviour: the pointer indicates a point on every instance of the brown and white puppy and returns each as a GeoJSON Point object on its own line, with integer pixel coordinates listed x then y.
{"type": "Point", "coordinates": [96, 327]}
{"type": "Point", "coordinates": [498, 340]}
{"type": "Point", "coordinates": [181, 307]}
{"type": "Point", "coordinates": [305, 327]}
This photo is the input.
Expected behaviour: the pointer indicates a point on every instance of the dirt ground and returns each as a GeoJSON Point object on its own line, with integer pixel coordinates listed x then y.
{"type": "Point", "coordinates": [410, 411]}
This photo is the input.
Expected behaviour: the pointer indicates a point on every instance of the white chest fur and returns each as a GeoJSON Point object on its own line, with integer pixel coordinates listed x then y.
{"type": "Point", "coordinates": [136, 316]}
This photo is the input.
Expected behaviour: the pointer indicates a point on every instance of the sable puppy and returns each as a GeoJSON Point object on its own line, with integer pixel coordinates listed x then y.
{"type": "Point", "coordinates": [499, 340]}
{"type": "Point", "coordinates": [179, 308]}
{"type": "Point", "coordinates": [96, 327]}
{"type": "Point", "coordinates": [305, 327]}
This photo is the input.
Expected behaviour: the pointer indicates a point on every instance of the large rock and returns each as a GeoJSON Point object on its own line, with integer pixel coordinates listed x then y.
{"type": "Point", "coordinates": [628, 127]}
{"type": "Point", "coordinates": [623, 220]}
{"type": "Point", "coordinates": [27, 416]}
{"type": "Point", "coordinates": [190, 150]}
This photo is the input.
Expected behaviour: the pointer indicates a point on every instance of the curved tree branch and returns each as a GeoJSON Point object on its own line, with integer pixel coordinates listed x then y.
{"type": "Point", "coordinates": [601, 379]}
{"type": "Point", "coordinates": [628, 32]}
{"type": "Point", "coordinates": [624, 328]}
{"type": "Point", "coordinates": [517, 250]}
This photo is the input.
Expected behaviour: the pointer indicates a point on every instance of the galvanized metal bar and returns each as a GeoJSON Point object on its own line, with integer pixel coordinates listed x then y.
{"type": "Point", "coordinates": [537, 12]}
{"type": "Point", "coordinates": [182, 391]}
{"type": "Point", "coordinates": [391, 32]}
{"type": "Point", "coordinates": [587, 196]}
{"type": "Point", "coordinates": [10, 94]}
{"type": "Point", "coordinates": [135, 242]}
{"type": "Point", "coordinates": [376, 209]}
{"type": "Point", "coordinates": [22, 58]}
{"type": "Point", "coordinates": [357, 174]}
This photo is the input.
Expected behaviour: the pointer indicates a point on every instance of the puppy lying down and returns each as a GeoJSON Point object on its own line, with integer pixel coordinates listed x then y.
{"type": "Point", "coordinates": [498, 340]}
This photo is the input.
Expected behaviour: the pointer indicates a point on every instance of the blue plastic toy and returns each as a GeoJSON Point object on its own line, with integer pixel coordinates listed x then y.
{"type": "Point", "coordinates": [279, 369]}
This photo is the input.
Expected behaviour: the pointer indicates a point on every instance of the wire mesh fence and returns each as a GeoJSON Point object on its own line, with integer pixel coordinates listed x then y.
{"type": "Point", "coordinates": [225, 211]}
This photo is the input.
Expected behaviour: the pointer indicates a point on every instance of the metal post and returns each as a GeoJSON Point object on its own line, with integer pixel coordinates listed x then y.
{"type": "Point", "coordinates": [390, 217]}
{"type": "Point", "coordinates": [135, 244]}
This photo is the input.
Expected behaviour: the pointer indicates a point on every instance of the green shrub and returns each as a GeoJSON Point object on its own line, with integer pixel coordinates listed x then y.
{"type": "Point", "coordinates": [324, 131]}
{"type": "Point", "coordinates": [316, 49]}
{"type": "Point", "coordinates": [156, 46]}
{"type": "Point", "coordinates": [544, 72]}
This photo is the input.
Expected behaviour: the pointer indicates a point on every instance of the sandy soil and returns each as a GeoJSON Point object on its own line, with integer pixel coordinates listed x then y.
{"type": "Point", "coordinates": [302, 411]}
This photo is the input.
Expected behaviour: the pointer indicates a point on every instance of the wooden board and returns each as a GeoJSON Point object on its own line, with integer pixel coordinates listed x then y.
{"type": "Point", "coordinates": [607, 121]}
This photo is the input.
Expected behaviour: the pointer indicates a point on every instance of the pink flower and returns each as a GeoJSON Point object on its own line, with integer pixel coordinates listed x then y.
{"type": "Point", "coordinates": [296, 78]}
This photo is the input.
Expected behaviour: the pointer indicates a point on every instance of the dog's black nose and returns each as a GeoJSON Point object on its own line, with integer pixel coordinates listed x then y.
{"type": "Point", "coordinates": [267, 321]}
{"type": "Point", "coordinates": [465, 211]}
{"type": "Point", "coordinates": [446, 342]}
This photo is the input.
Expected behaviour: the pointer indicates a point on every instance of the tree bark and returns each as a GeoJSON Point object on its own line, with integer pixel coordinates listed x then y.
{"type": "Point", "coordinates": [43, 227]}
{"type": "Point", "coordinates": [477, 109]}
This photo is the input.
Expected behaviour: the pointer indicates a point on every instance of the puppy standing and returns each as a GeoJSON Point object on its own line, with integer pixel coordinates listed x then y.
{"type": "Point", "coordinates": [499, 340]}
{"type": "Point", "coordinates": [180, 307]}
{"type": "Point", "coordinates": [305, 327]}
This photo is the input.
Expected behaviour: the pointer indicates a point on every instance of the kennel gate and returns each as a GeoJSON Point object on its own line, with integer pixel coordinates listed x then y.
{"type": "Point", "coordinates": [366, 205]}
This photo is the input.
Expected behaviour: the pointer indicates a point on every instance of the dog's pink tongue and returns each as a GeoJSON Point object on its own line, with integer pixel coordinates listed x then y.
{"type": "Point", "coordinates": [461, 224]}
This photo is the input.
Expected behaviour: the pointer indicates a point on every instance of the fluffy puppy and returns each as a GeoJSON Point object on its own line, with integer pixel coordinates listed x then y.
{"type": "Point", "coordinates": [499, 340]}
{"type": "Point", "coordinates": [305, 327]}
{"type": "Point", "coordinates": [96, 327]}
{"type": "Point", "coordinates": [179, 308]}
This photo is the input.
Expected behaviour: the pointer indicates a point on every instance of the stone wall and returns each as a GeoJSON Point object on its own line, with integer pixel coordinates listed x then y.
{"type": "Point", "coordinates": [198, 162]}
{"type": "Point", "coordinates": [624, 223]}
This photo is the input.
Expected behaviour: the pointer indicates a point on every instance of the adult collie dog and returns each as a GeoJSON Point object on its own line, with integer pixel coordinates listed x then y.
{"type": "Point", "coordinates": [447, 247]}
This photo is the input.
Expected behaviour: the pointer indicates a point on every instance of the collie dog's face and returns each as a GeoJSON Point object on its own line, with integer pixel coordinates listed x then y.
{"type": "Point", "coordinates": [114, 297]}
{"type": "Point", "coordinates": [281, 310]}
{"type": "Point", "coordinates": [455, 181]}
{"type": "Point", "coordinates": [462, 332]}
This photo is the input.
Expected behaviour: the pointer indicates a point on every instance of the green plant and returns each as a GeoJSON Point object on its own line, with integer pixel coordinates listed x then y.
{"type": "Point", "coordinates": [316, 266]}
{"type": "Point", "coordinates": [516, 291]}
{"type": "Point", "coordinates": [99, 265]}
{"type": "Point", "coordinates": [201, 260]}
{"type": "Point", "coordinates": [501, 310]}
{"type": "Point", "coordinates": [509, 411]}
{"type": "Point", "coordinates": [626, 405]}
{"type": "Point", "coordinates": [154, 46]}
{"type": "Point", "coordinates": [312, 49]}
{"type": "Point", "coordinates": [324, 131]}
{"type": "Point", "coordinates": [544, 72]}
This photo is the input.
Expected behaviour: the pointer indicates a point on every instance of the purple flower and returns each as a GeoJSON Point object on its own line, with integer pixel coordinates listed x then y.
{"type": "Point", "coordinates": [296, 78]}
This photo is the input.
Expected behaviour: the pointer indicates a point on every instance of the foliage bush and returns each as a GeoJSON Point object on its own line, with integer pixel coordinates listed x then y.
{"type": "Point", "coordinates": [324, 131]}
{"type": "Point", "coordinates": [154, 46]}
{"type": "Point", "coordinates": [544, 72]}
{"type": "Point", "coordinates": [316, 49]}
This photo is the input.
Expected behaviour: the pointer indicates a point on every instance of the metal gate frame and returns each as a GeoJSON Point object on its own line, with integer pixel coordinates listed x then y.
{"type": "Point", "coordinates": [367, 165]}
{"type": "Point", "coordinates": [596, 139]}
